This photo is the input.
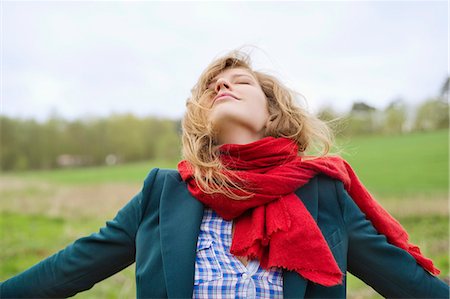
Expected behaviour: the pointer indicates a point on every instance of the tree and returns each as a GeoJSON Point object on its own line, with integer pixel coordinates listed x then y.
{"type": "Point", "coordinates": [432, 115]}
{"type": "Point", "coordinates": [444, 88]}
{"type": "Point", "coordinates": [361, 107]}
{"type": "Point", "coordinates": [332, 119]}
{"type": "Point", "coordinates": [395, 117]}
{"type": "Point", "coordinates": [327, 114]}
{"type": "Point", "coordinates": [362, 119]}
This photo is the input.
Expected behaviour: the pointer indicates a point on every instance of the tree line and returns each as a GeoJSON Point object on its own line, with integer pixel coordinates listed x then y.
{"type": "Point", "coordinates": [396, 118]}
{"type": "Point", "coordinates": [28, 144]}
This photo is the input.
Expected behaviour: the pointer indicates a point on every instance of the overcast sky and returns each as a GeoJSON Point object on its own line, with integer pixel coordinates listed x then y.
{"type": "Point", "coordinates": [93, 58]}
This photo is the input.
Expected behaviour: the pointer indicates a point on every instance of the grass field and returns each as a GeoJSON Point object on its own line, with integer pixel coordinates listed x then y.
{"type": "Point", "coordinates": [401, 165]}
{"type": "Point", "coordinates": [43, 211]}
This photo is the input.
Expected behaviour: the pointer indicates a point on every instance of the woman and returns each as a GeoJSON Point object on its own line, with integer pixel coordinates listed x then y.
{"type": "Point", "coordinates": [247, 214]}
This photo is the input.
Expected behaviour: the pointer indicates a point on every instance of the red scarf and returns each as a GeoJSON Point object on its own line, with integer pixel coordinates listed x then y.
{"type": "Point", "coordinates": [274, 226]}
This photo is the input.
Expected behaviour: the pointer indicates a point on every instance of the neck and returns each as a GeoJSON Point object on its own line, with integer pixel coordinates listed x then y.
{"type": "Point", "coordinates": [238, 135]}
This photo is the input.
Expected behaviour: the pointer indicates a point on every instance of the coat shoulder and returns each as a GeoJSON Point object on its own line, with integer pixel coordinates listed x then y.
{"type": "Point", "coordinates": [326, 190]}
{"type": "Point", "coordinates": [153, 187]}
{"type": "Point", "coordinates": [159, 175]}
{"type": "Point", "coordinates": [323, 184]}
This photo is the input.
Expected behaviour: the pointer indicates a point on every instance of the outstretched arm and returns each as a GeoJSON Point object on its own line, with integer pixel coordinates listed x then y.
{"type": "Point", "coordinates": [390, 270]}
{"type": "Point", "coordinates": [86, 261]}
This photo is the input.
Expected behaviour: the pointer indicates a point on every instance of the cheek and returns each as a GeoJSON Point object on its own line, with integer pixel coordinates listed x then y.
{"type": "Point", "coordinates": [260, 106]}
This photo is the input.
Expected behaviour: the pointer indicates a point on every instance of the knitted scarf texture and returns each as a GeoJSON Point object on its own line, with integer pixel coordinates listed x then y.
{"type": "Point", "coordinates": [274, 226]}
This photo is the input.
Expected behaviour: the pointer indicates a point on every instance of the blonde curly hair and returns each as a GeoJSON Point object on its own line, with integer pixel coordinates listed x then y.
{"type": "Point", "coordinates": [199, 145]}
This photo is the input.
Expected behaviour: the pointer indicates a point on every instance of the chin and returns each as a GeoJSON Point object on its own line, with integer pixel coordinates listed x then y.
{"type": "Point", "coordinates": [224, 113]}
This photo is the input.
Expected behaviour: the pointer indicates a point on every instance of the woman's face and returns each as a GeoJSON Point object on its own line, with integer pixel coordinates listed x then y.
{"type": "Point", "coordinates": [238, 105]}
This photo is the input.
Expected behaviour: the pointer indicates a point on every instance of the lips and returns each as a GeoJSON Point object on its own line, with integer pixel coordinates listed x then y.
{"type": "Point", "coordinates": [225, 94]}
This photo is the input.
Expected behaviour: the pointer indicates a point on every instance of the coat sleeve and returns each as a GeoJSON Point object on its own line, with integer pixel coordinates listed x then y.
{"type": "Point", "coordinates": [86, 261]}
{"type": "Point", "coordinates": [390, 270]}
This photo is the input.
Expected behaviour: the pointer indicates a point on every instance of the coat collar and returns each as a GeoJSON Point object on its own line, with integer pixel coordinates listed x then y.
{"type": "Point", "coordinates": [181, 216]}
{"type": "Point", "coordinates": [180, 219]}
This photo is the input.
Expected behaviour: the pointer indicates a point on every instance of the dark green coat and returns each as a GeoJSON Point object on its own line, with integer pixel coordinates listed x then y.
{"type": "Point", "coordinates": [158, 230]}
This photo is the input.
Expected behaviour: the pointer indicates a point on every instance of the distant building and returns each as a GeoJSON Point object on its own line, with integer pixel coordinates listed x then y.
{"type": "Point", "coordinates": [67, 160]}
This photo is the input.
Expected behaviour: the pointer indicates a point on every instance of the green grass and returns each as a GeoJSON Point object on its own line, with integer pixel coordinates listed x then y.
{"type": "Point", "coordinates": [430, 233]}
{"type": "Point", "coordinates": [27, 239]}
{"type": "Point", "coordinates": [124, 173]}
{"type": "Point", "coordinates": [402, 165]}
{"type": "Point", "coordinates": [18, 229]}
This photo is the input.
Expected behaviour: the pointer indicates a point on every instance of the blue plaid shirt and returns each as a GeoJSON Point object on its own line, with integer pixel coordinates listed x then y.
{"type": "Point", "coordinates": [219, 274]}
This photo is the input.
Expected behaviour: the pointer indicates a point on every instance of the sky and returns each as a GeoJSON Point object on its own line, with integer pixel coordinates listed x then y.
{"type": "Point", "coordinates": [78, 59]}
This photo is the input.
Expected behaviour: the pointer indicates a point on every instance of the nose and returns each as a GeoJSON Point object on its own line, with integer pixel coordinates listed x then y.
{"type": "Point", "coordinates": [221, 82]}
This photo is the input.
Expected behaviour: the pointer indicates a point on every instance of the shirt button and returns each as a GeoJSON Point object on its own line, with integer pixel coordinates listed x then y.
{"type": "Point", "coordinates": [244, 276]}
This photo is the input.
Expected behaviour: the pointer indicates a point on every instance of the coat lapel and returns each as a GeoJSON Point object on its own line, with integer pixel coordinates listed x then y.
{"type": "Point", "coordinates": [180, 219]}
{"type": "Point", "coordinates": [294, 286]}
